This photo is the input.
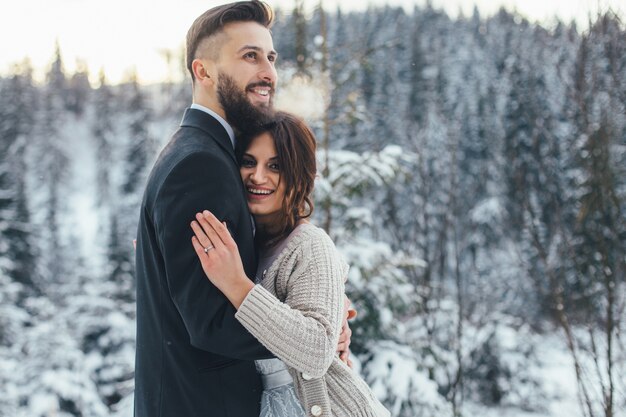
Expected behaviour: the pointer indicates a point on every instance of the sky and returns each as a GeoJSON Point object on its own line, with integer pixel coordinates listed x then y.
{"type": "Point", "coordinates": [124, 36]}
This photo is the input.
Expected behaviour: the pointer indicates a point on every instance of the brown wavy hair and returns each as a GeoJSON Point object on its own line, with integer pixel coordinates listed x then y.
{"type": "Point", "coordinates": [295, 150]}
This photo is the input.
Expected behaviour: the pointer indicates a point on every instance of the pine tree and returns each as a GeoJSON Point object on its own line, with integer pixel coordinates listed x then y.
{"type": "Point", "coordinates": [78, 90]}
{"type": "Point", "coordinates": [53, 170]}
{"type": "Point", "coordinates": [17, 106]}
{"type": "Point", "coordinates": [300, 41]}
{"type": "Point", "coordinates": [104, 135]}
{"type": "Point", "coordinates": [140, 149]}
{"type": "Point", "coordinates": [596, 286]}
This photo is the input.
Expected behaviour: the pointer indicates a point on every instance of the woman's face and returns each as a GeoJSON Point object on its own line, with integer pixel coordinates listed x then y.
{"type": "Point", "coordinates": [261, 178]}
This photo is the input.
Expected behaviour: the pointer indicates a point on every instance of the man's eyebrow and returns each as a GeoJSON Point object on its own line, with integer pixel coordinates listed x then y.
{"type": "Point", "coordinates": [256, 48]}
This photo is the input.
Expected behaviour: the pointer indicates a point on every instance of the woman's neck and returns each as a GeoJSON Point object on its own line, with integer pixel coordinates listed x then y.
{"type": "Point", "coordinates": [268, 225]}
{"type": "Point", "coordinates": [267, 232]}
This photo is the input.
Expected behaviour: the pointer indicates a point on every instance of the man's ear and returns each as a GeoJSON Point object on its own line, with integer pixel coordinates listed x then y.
{"type": "Point", "coordinates": [202, 72]}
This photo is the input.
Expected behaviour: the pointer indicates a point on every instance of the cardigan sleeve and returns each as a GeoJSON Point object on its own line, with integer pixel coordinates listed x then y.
{"type": "Point", "coordinates": [304, 330]}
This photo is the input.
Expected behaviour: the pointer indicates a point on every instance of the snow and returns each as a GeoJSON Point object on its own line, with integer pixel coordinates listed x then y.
{"type": "Point", "coordinates": [487, 211]}
{"type": "Point", "coordinates": [83, 210]}
{"type": "Point", "coordinates": [436, 135]}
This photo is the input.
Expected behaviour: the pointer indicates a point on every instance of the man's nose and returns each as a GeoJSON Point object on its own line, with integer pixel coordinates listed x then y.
{"type": "Point", "coordinates": [268, 72]}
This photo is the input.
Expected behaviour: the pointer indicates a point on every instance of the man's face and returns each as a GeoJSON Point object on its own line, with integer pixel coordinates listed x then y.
{"type": "Point", "coordinates": [239, 111]}
{"type": "Point", "coordinates": [246, 62]}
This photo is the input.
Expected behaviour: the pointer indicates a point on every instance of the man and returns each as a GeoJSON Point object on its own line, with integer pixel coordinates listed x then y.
{"type": "Point", "coordinates": [193, 357]}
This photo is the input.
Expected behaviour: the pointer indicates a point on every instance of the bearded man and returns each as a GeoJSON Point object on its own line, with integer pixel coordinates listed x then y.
{"type": "Point", "coordinates": [193, 357]}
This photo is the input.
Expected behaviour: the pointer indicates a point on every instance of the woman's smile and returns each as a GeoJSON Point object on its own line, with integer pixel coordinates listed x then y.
{"type": "Point", "coordinates": [260, 173]}
{"type": "Point", "coordinates": [258, 193]}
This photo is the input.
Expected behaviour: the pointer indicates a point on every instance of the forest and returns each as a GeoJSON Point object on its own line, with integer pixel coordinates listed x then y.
{"type": "Point", "coordinates": [472, 171]}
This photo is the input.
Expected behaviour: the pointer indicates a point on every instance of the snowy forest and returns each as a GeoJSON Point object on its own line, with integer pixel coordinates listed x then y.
{"type": "Point", "coordinates": [471, 170]}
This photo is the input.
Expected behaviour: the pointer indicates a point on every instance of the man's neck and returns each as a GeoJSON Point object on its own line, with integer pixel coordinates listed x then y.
{"type": "Point", "coordinates": [220, 118]}
{"type": "Point", "coordinates": [212, 105]}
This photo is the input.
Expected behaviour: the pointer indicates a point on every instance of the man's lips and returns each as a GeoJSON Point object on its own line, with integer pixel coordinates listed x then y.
{"type": "Point", "coordinates": [262, 90]}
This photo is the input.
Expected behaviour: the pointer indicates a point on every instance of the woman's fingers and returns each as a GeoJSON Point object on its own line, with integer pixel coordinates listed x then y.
{"type": "Point", "coordinates": [202, 255]}
{"type": "Point", "coordinates": [201, 235]}
{"type": "Point", "coordinates": [219, 228]}
{"type": "Point", "coordinates": [209, 230]}
{"type": "Point", "coordinates": [198, 248]}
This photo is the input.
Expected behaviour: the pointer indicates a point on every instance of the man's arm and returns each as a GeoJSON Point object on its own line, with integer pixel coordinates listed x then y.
{"type": "Point", "coordinates": [201, 181]}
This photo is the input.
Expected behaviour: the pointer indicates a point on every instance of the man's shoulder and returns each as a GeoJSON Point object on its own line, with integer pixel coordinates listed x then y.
{"type": "Point", "coordinates": [190, 152]}
{"type": "Point", "coordinates": [188, 142]}
{"type": "Point", "coordinates": [198, 133]}
{"type": "Point", "coordinates": [189, 139]}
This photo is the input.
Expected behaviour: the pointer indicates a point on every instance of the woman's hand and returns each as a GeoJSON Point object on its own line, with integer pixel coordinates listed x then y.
{"type": "Point", "coordinates": [220, 258]}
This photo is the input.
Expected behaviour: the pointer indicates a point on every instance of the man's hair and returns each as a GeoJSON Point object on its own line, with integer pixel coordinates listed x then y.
{"type": "Point", "coordinates": [295, 150]}
{"type": "Point", "coordinates": [213, 21]}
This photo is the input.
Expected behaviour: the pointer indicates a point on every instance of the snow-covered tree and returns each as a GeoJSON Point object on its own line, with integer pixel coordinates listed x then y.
{"type": "Point", "coordinates": [18, 103]}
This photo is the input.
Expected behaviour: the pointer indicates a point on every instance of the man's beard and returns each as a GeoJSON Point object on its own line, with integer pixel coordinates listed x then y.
{"type": "Point", "coordinates": [246, 118]}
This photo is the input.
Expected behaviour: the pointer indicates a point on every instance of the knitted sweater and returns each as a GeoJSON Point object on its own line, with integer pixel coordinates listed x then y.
{"type": "Point", "coordinates": [296, 312]}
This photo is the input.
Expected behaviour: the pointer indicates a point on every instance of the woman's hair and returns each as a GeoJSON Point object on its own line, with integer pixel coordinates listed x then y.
{"type": "Point", "coordinates": [212, 22]}
{"type": "Point", "coordinates": [295, 149]}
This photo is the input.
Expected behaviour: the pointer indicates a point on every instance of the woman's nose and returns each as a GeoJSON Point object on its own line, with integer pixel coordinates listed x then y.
{"type": "Point", "coordinates": [258, 175]}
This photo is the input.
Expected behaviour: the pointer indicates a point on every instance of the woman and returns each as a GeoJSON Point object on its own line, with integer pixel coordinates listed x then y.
{"type": "Point", "coordinates": [295, 308]}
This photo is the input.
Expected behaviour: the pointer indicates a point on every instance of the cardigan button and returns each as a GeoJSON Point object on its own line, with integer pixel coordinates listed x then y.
{"type": "Point", "coordinates": [306, 376]}
{"type": "Point", "coordinates": [316, 410]}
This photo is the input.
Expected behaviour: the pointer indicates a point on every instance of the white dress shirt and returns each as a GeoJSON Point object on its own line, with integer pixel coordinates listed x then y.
{"type": "Point", "coordinates": [229, 129]}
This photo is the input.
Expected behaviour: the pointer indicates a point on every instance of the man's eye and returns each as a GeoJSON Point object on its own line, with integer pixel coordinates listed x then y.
{"type": "Point", "coordinates": [272, 58]}
{"type": "Point", "coordinates": [250, 55]}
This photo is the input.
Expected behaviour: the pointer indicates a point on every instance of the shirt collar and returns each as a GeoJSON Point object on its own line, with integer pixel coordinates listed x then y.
{"type": "Point", "coordinates": [229, 129]}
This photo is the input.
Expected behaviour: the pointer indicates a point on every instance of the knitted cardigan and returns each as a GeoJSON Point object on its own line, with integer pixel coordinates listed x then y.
{"type": "Point", "coordinates": [296, 312]}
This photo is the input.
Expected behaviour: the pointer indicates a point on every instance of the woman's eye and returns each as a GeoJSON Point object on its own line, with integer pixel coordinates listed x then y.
{"type": "Point", "coordinates": [274, 166]}
{"type": "Point", "coordinates": [247, 163]}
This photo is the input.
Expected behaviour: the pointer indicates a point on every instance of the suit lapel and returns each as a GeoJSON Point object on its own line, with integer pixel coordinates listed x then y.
{"type": "Point", "coordinates": [200, 120]}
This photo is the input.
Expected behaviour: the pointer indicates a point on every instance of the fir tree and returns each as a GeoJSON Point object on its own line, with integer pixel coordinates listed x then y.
{"type": "Point", "coordinates": [17, 106]}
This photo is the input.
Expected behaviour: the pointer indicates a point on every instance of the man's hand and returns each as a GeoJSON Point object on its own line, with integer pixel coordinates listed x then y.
{"type": "Point", "coordinates": [343, 346]}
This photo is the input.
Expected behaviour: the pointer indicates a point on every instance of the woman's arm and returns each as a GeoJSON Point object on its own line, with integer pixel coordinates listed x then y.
{"type": "Point", "coordinates": [303, 331]}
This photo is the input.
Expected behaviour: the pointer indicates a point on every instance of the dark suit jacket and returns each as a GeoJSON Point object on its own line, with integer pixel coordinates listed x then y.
{"type": "Point", "coordinates": [193, 357]}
